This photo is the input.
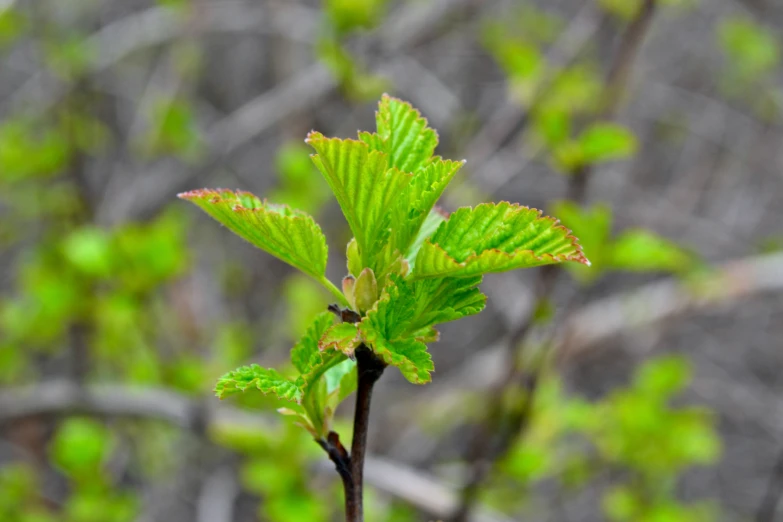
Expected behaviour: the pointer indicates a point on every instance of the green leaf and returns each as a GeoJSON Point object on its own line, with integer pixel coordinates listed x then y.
{"type": "Point", "coordinates": [752, 49]}
{"type": "Point", "coordinates": [521, 60]}
{"type": "Point", "coordinates": [173, 130]}
{"type": "Point", "coordinates": [593, 227]}
{"type": "Point", "coordinates": [266, 380]}
{"type": "Point", "coordinates": [356, 81]}
{"type": "Point", "coordinates": [365, 186]}
{"type": "Point", "coordinates": [403, 134]}
{"type": "Point", "coordinates": [299, 183]}
{"type": "Point", "coordinates": [348, 15]}
{"type": "Point", "coordinates": [12, 26]}
{"type": "Point", "coordinates": [644, 251]}
{"type": "Point", "coordinates": [663, 376]}
{"type": "Point", "coordinates": [414, 207]}
{"type": "Point", "coordinates": [605, 142]}
{"type": "Point", "coordinates": [430, 225]}
{"type": "Point", "coordinates": [89, 250]}
{"type": "Point", "coordinates": [303, 351]}
{"type": "Point", "coordinates": [348, 383]}
{"type": "Point", "coordinates": [81, 446]}
{"type": "Point", "coordinates": [447, 299]}
{"type": "Point", "coordinates": [495, 238]}
{"type": "Point", "coordinates": [624, 9]}
{"type": "Point", "coordinates": [336, 374]}
{"type": "Point", "coordinates": [386, 329]}
{"type": "Point", "coordinates": [409, 355]}
{"type": "Point", "coordinates": [343, 337]}
{"type": "Point", "coordinates": [286, 233]}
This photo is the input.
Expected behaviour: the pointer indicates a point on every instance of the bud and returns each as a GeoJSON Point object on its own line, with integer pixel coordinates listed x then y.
{"type": "Point", "coordinates": [354, 258]}
{"type": "Point", "coordinates": [349, 284]}
{"type": "Point", "coordinates": [365, 290]}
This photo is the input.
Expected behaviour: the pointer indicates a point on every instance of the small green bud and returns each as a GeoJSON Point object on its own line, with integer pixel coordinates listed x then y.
{"type": "Point", "coordinates": [349, 284]}
{"type": "Point", "coordinates": [354, 258]}
{"type": "Point", "coordinates": [365, 290]}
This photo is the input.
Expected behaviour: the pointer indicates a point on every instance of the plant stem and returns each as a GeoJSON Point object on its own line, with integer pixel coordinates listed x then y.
{"type": "Point", "coordinates": [334, 290]}
{"type": "Point", "coordinates": [369, 368]}
{"type": "Point", "coordinates": [342, 462]}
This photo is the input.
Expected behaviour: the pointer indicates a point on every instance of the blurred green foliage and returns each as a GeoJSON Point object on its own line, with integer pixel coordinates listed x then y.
{"type": "Point", "coordinates": [126, 288]}
{"type": "Point", "coordinates": [753, 60]}
{"type": "Point", "coordinates": [633, 434]}
{"type": "Point", "coordinates": [635, 249]}
{"type": "Point", "coordinates": [344, 18]}
{"type": "Point", "coordinates": [172, 130]}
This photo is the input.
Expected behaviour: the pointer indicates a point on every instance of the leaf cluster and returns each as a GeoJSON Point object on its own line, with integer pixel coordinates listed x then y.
{"type": "Point", "coordinates": [410, 266]}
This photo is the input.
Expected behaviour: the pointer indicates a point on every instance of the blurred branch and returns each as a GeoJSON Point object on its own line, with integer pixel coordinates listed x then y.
{"type": "Point", "coordinates": [504, 423]}
{"type": "Point", "coordinates": [510, 118]}
{"type": "Point", "coordinates": [670, 298]}
{"type": "Point", "coordinates": [146, 193]}
{"type": "Point", "coordinates": [218, 494]}
{"type": "Point", "coordinates": [59, 396]}
{"type": "Point", "coordinates": [421, 490]}
{"type": "Point", "coordinates": [159, 25]}
{"type": "Point", "coordinates": [616, 85]}
{"type": "Point", "coordinates": [603, 319]}
{"type": "Point", "coordinates": [771, 499]}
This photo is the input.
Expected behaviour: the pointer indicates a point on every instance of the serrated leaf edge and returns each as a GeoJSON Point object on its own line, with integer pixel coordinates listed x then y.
{"type": "Point", "coordinates": [578, 257]}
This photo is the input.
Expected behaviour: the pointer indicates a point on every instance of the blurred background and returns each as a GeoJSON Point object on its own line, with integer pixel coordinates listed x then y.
{"type": "Point", "coordinates": [645, 388]}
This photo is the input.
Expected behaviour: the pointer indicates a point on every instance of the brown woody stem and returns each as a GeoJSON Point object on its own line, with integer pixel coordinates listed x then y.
{"type": "Point", "coordinates": [369, 368]}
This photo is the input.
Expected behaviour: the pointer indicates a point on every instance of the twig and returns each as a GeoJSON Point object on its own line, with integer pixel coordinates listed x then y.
{"type": "Point", "coordinates": [510, 118]}
{"type": "Point", "coordinates": [495, 434]}
{"type": "Point", "coordinates": [666, 299]}
{"type": "Point", "coordinates": [769, 503]}
{"type": "Point", "coordinates": [369, 368]}
{"type": "Point", "coordinates": [421, 490]}
{"type": "Point", "coordinates": [500, 429]}
{"type": "Point", "coordinates": [58, 397]}
{"type": "Point", "coordinates": [305, 89]}
{"type": "Point", "coordinates": [159, 25]}
{"type": "Point", "coordinates": [342, 463]}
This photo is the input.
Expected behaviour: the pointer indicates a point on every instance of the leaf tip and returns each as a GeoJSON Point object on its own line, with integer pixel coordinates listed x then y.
{"type": "Point", "coordinates": [195, 194]}
{"type": "Point", "coordinates": [313, 135]}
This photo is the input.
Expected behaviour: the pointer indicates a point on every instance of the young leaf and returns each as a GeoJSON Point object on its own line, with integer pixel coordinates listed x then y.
{"type": "Point", "coordinates": [266, 380]}
{"type": "Point", "coordinates": [429, 227]}
{"type": "Point", "coordinates": [593, 226]}
{"type": "Point", "coordinates": [303, 351]}
{"type": "Point", "coordinates": [414, 206]}
{"type": "Point", "coordinates": [495, 238]}
{"type": "Point", "coordinates": [448, 299]}
{"type": "Point", "coordinates": [348, 384]}
{"type": "Point", "coordinates": [365, 186]}
{"type": "Point", "coordinates": [402, 134]}
{"type": "Point", "coordinates": [385, 329]}
{"type": "Point", "coordinates": [753, 50]}
{"type": "Point", "coordinates": [642, 250]}
{"type": "Point", "coordinates": [605, 142]}
{"type": "Point", "coordinates": [409, 355]}
{"type": "Point", "coordinates": [286, 233]}
{"type": "Point", "coordinates": [343, 337]}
